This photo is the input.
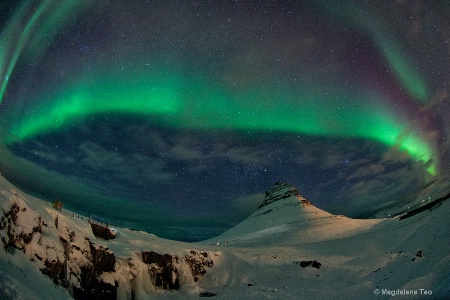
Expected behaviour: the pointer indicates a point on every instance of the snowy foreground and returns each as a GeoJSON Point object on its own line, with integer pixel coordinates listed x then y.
{"type": "Point", "coordinates": [287, 249]}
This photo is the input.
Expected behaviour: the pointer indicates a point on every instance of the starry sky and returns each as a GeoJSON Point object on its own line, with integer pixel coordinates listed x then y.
{"type": "Point", "coordinates": [175, 117]}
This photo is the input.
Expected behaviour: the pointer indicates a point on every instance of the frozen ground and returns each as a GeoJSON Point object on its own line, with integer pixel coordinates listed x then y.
{"type": "Point", "coordinates": [263, 257]}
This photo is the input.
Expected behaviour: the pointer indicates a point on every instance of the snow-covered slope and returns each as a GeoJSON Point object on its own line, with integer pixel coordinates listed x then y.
{"type": "Point", "coordinates": [66, 257]}
{"type": "Point", "coordinates": [285, 216]}
{"type": "Point", "coordinates": [436, 189]}
{"type": "Point", "coordinates": [287, 249]}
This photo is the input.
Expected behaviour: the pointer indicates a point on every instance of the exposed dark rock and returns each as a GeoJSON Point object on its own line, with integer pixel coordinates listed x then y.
{"type": "Point", "coordinates": [282, 190]}
{"type": "Point", "coordinates": [9, 221]}
{"type": "Point", "coordinates": [26, 237]}
{"type": "Point", "coordinates": [99, 259]}
{"type": "Point", "coordinates": [15, 239]}
{"type": "Point", "coordinates": [12, 213]}
{"type": "Point", "coordinates": [5, 243]}
{"type": "Point", "coordinates": [92, 287]}
{"type": "Point", "coordinates": [56, 270]}
{"type": "Point", "coordinates": [82, 277]}
{"type": "Point", "coordinates": [207, 294]}
{"type": "Point", "coordinates": [198, 261]}
{"type": "Point", "coordinates": [163, 268]}
{"type": "Point", "coordinates": [419, 254]}
{"type": "Point", "coordinates": [103, 259]}
{"type": "Point", "coordinates": [316, 264]}
{"type": "Point", "coordinates": [102, 231]}
{"type": "Point", "coordinates": [429, 206]}
{"type": "Point", "coordinates": [307, 263]}
{"type": "Point", "coordinates": [96, 290]}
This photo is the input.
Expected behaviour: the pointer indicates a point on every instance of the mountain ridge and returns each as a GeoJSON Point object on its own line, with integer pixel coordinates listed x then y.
{"type": "Point", "coordinates": [285, 213]}
{"type": "Point", "coordinates": [282, 190]}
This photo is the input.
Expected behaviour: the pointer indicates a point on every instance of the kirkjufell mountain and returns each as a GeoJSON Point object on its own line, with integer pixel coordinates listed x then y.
{"type": "Point", "coordinates": [282, 190]}
{"type": "Point", "coordinates": [285, 214]}
{"type": "Point", "coordinates": [286, 249]}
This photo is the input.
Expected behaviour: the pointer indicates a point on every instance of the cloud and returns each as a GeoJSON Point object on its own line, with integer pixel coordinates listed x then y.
{"type": "Point", "coordinates": [125, 166]}
{"type": "Point", "coordinates": [186, 153]}
{"type": "Point", "coordinates": [329, 154]}
{"type": "Point", "coordinates": [192, 150]}
{"type": "Point", "coordinates": [79, 194]}
{"type": "Point", "coordinates": [248, 155]}
{"type": "Point", "coordinates": [247, 205]}
{"type": "Point", "coordinates": [41, 182]}
{"type": "Point", "coordinates": [367, 171]}
{"type": "Point", "coordinates": [381, 188]}
{"type": "Point", "coordinates": [306, 157]}
{"type": "Point", "coordinates": [46, 153]}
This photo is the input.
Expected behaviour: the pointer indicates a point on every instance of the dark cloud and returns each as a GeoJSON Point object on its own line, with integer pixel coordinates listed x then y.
{"type": "Point", "coordinates": [129, 166]}
{"type": "Point", "coordinates": [247, 205]}
{"type": "Point", "coordinates": [367, 171]}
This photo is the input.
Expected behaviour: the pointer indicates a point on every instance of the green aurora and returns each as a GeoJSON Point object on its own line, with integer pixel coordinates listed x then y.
{"type": "Point", "coordinates": [29, 32]}
{"type": "Point", "coordinates": [179, 101]}
{"type": "Point", "coordinates": [405, 70]}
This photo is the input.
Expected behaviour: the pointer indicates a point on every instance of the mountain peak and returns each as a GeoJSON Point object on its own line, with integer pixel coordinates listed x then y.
{"type": "Point", "coordinates": [283, 212]}
{"type": "Point", "coordinates": [282, 190]}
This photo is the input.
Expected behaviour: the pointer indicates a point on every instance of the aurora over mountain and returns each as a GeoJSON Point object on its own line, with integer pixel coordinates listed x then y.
{"type": "Point", "coordinates": [170, 115]}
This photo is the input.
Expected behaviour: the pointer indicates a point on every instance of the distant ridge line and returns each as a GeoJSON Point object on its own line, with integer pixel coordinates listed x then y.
{"type": "Point", "coordinates": [429, 206]}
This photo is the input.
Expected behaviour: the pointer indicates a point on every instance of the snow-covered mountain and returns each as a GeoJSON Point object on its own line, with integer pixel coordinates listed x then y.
{"type": "Point", "coordinates": [287, 249]}
{"type": "Point", "coordinates": [438, 188]}
{"type": "Point", "coordinates": [286, 216]}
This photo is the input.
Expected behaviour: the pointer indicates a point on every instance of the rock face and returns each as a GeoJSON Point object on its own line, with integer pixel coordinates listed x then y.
{"type": "Point", "coordinates": [18, 236]}
{"type": "Point", "coordinates": [197, 262]}
{"type": "Point", "coordinates": [70, 260]}
{"type": "Point", "coordinates": [102, 231]}
{"type": "Point", "coordinates": [164, 268]}
{"type": "Point", "coordinates": [85, 268]}
{"type": "Point", "coordinates": [282, 190]}
{"type": "Point", "coordinates": [309, 263]}
{"type": "Point", "coordinates": [92, 287]}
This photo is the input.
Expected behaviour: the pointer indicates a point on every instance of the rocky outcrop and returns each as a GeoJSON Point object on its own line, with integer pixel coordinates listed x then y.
{"type": "Point", "coordinates": [55, 269]}
{"type": "Point", "coordinates": [103, 232]}
{"type": "Point", "coordinates": [92, 287]}
{"type": "Point", "coordinates": [282, 190]}
{"type": "Point", "coordinates": [164, 268]}
{"type": "Point", "coordinates": [197, 262]}
{"type": "Point", "coordinates": [309, 263]}
{"type": "Point", "coordinates": [70, 260]}
{"type": "Point", "coordinates": [17, 235]}
{"type": "Point", "coordinates": [419, 254]}
{"type": "Point", "coordinates": [89, 270]}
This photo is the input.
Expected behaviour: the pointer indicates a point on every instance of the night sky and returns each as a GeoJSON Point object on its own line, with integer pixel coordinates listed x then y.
{"type": "Point", "coordinates": [175, 117]}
